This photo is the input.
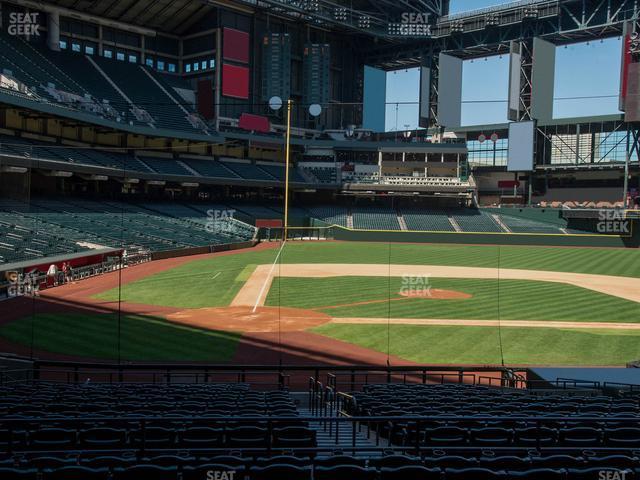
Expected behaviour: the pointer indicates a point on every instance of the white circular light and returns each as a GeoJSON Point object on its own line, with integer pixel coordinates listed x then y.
{"type": "Point", "coordinates": [315, 110]}
{"type": "Point", "coordinates": [275, 103]}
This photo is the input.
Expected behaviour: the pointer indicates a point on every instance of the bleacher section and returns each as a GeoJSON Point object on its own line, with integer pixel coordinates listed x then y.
{"type": "Point", "coordinates": [375, 218]}
{"type": "Point", "coordinates": [212, 213]}
{"type": "Point", "coordinates": [34, 149]}
{"type": "Point", "coordinates": [31, 67]}
{"type": "Point", "coordinates": [427, 220]}
{"type": "Point", "coordinates": [25, 242]}
{"type": "Point", "coordinates": [46, 227]}
{"type": "Point", "coordinates": [331, 214]}
{"type": "Point", "coordinates": [210, 168]}
{"type": "Point", "coordinates": [91, 80]}
{"type": "Point", "coordinates": [248, 171]}
{"type": "Point", "coordinates": [324, 174]}
{"type": "Point", "coordinates": [71, 80]}
{"type": "Point", "coordinates": [167, 166]}
{"type": "Point", "coordinates": [523, 225]}
{"type": "Point", "coordinates": [146, 94]}
{"type": "Point", "coordinates": [471, 220]}
{"type": "Point", "coordinates": [257, 211]}
{"type": "Point", "coordinates": [278, 172]}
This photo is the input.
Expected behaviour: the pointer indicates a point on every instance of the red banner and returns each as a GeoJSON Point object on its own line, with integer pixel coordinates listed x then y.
{"type": "Point", "coordinates": [508, 183]}
{"type": "Point", "coordinates": [235, 81]}
{"type": "Point", "coordinates": [236, 45]}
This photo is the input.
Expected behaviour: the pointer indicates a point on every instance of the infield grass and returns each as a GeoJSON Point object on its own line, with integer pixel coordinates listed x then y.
{"type": "Point", "coordinates": [491, 300]}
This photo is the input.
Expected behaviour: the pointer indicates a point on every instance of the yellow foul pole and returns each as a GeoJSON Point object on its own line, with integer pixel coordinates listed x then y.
{"type": "Point", "coordinates": [286, 176]}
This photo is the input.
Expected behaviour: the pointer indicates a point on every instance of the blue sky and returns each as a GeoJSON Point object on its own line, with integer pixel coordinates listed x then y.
{"type": "Point", "coordinates": [582, 70]}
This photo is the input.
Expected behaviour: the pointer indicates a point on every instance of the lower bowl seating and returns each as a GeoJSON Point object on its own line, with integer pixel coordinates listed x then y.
{"type": "Point", "coordinates": [184, 431]}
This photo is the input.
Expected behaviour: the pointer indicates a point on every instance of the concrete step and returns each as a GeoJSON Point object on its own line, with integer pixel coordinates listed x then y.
{"type": "Point", "coordinates": [454, 224]}
{"type": "Point", "coordinates": [330, 438]}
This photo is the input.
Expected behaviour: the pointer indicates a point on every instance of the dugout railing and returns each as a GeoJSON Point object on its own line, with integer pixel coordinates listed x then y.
{"type": "Point", "coordinates": [336, 378]}
{"type": "Point", "coordinates": [278, 376]}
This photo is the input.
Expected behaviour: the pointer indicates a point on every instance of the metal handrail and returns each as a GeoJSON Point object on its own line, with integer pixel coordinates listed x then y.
{"type": "Point", "coordinates": [79, 371]}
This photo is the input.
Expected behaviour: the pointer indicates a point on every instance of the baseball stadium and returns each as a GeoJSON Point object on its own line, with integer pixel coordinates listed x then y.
{"type": "Point", "coordinates": [319, 239]}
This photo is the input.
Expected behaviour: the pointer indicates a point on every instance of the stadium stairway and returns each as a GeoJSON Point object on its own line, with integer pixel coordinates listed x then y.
{"type": "Point", "coordinates": [341, 440]}
{"type": "Point", "coordinates": [501, 223]}
{"type": "Point", "coordinates": [454, 224]}
{"type": "Point", "coordinates": [350, 220]}
{"type": "Point", "coordinates": [402, 223]}
{"type": "Point", "coordinates": [165, 91]}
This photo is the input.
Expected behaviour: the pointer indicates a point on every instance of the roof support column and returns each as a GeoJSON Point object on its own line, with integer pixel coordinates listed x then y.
{"type": "Point", "coordinates": [53, 30]}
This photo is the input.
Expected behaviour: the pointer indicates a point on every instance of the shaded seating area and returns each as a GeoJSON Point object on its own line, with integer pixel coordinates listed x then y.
{"type": "Point", "coordinates": [184, 430]}
{"type": "Point", "coordinates": [45, 227]}
{"type": "Point", "coordinates": [523, 225]}
{"type": "Point", "coordinates": [375, 218]}
{"type": "Point", "coordinates": [472, 220]}
{"type": "Point", "coordinates": [428, 220]}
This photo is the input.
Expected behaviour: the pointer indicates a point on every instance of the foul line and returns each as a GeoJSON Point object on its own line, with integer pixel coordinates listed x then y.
{"type": "Point", "coordinates": [269, 277]}
{"type": "Point", "coordinates": [489, 323]}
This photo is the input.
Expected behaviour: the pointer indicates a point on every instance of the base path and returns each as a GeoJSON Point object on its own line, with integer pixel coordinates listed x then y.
{"type": "Point", "coordinates": [255, 290]}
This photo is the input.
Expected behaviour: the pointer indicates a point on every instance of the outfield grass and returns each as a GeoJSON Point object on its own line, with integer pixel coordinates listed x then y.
{"type": "Point", "coordinates": [480, 345]}
{"type": "Point", "coordinates": [142, 338]}
{"type": "Point", "coordinates": [215, 281]}
{"type": "Point", "coordinates": [492, 299]}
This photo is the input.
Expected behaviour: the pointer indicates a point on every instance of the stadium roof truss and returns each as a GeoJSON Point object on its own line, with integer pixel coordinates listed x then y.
{"type": "Point", "coordinates": [370, 17]}
{"type": "Point", "coordinates": [469, 34]}
{"type": "Point", "coordinates": [486, 32]}
{"type": "Point", "coordinates": [169, 16]}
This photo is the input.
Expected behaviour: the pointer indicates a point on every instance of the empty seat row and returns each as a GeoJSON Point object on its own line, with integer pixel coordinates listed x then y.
{"type": "Point", "coordinates": [290, 472]}
{"type": "Point", "coordinates": [108, 438]}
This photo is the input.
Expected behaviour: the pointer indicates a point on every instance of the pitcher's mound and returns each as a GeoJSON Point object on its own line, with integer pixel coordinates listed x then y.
{"type": "Point", "coordinates": [435, 294]}
{"type": "Point", "coordinates": [243, 319]}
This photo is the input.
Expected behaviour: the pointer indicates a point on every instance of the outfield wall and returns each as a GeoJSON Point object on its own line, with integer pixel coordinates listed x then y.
{"type": "Point", "coordinates": [559, 240]}
{"type": "Point", "coordinates": [184, 252]}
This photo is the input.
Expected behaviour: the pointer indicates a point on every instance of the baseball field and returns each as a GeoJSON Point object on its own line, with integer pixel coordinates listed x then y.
{"type": "Point", "coordinates": [346, 302]}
